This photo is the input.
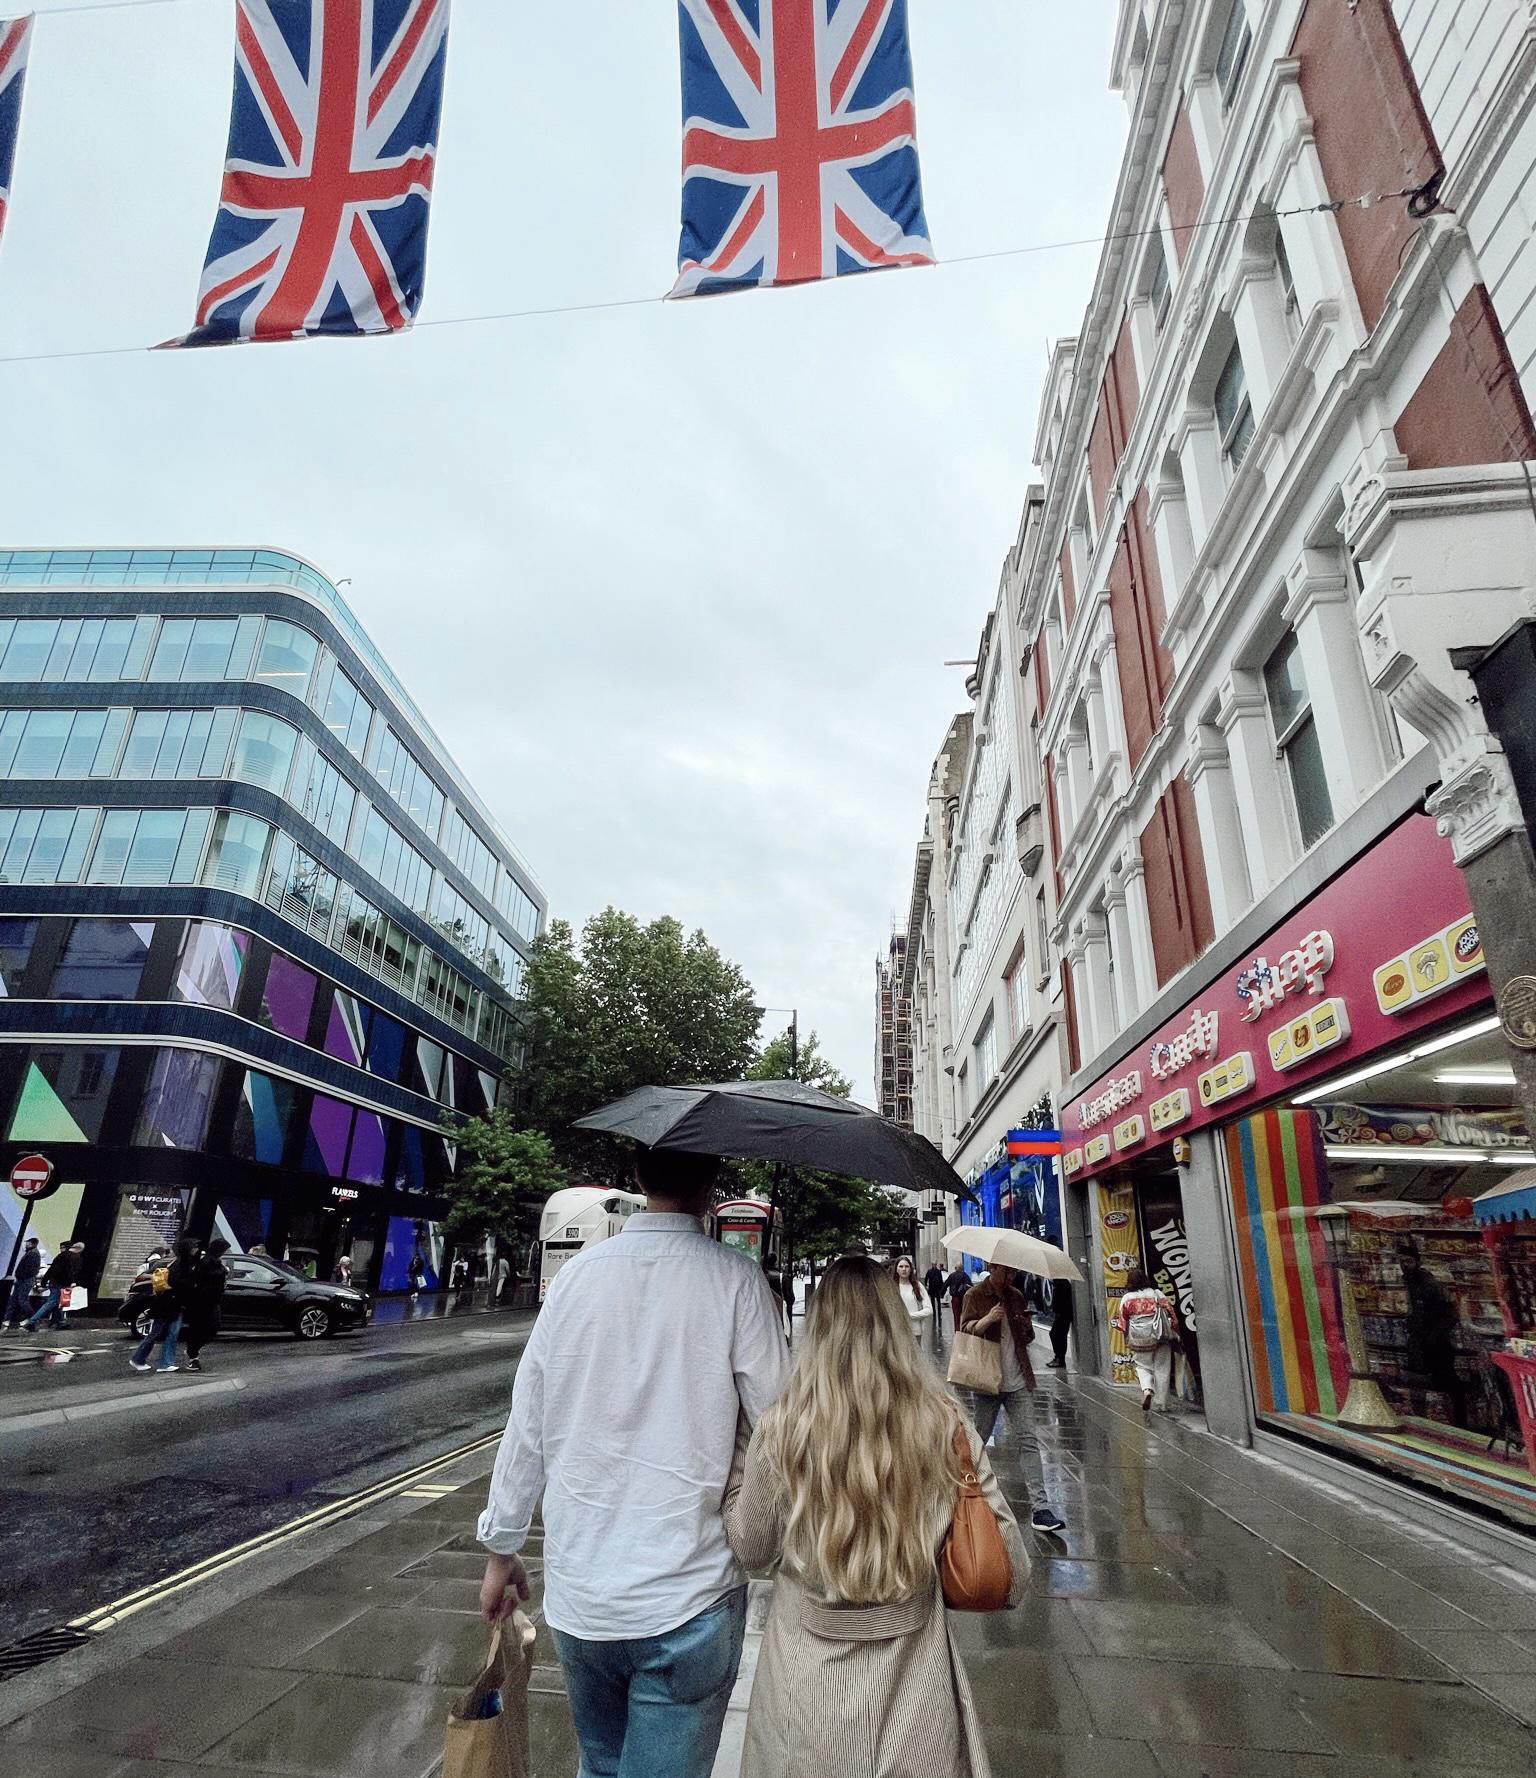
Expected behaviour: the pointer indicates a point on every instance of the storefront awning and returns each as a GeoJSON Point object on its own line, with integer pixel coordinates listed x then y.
{"type": "Point", "coordinates": [1512, 1201]}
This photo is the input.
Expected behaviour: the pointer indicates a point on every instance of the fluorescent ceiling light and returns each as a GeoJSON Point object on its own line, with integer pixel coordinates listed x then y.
{"type": "Point", "coordinates": [1350, 1080]}
{"type": "Point", "coordinates": [1372, 1151]}
{"type": "Point", "coordinates": [1476, 1077]}
{"type": "Point", "coordinates": [1401, 1060]}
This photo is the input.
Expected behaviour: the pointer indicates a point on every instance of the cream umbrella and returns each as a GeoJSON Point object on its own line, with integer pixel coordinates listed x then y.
{"type": "Point", "coordinates": [1008, 1247]}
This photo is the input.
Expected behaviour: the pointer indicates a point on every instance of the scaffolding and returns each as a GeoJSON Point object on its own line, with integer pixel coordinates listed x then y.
{"type": "Point", "coordinates": [893, 1034]}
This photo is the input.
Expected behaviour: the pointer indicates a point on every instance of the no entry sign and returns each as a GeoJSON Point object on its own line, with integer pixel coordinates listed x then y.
{"type": "Point", "coordinates": [32, 1176]}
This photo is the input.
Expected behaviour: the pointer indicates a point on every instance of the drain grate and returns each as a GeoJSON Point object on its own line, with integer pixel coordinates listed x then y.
{"type": "Point", "coordinates": [33, 1650]}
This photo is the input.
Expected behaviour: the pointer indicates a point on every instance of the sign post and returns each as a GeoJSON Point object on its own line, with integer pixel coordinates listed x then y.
{"type": "Point", "coordinates": [31, 1179]}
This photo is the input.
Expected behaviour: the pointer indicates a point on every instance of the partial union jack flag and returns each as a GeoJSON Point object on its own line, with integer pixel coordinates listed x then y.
{"type": "Point", "coordinates": [322, 223]}
{"type": "Point", "coordinates": [799, 143]}
{"type": "Point", "coordinates": [15, 40]}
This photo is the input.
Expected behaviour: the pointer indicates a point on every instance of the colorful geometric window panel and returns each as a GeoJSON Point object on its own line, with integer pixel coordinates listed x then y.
{"type": "Point", "coordinates": [208, 970]}
{"type": "Point", "coordinates": [365, 1163]}
{"type": "Point", "coordinates": [63, 1095]}
{"type": "Point", "coordinates": [386, 1047]}
{"type": "Point", "coordinates": [262, 1118]}
{"type": "Point", "coordinates": [178, 1100]}
{"type": "Point", "coordinates": [346, 1031]}
{"type": "Point", "coordinates": [325, 1141]}
{"type": "Point", "coordinates": [103, 960]}
{"type": "Point", "coordinates": [431, 1066]}
{"type": "Point", "coordinates": [288, 998]}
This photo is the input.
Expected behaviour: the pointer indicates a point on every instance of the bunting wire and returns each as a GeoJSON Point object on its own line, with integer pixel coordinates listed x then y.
{"type": "Point", "coordinates": [1330, 206]}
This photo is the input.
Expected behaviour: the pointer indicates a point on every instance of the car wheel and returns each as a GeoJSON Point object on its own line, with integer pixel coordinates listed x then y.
{"type": "Point", "coordinates": [314, 1323]}
{"type": "Point", "coordinates": [141, 1324]}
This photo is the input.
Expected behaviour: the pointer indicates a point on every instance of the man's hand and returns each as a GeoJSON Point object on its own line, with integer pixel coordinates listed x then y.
{"type": "Point", "coordinates": [504, 1588]}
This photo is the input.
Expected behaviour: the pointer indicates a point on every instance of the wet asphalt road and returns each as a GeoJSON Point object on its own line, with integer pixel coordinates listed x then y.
{"type": "Point", "coordinates": [98, 1507]}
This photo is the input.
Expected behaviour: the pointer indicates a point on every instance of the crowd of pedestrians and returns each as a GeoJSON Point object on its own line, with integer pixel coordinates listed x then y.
{"type": "Point", "coordinates": [60, 1276]}
{"type": "Point", "coordinates": [662, 1481]}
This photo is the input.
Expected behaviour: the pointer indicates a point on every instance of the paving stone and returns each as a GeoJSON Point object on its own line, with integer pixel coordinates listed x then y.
{"type": "Point", "coordinates": [1045, 1625]}
{"type": "Point", "coordinates": [1066, 1579]}
{"type": "Point", "coordinates": [1390, 1718]}
{"type": "Point", "coordinates": [263, 1632]}
{"type": "Point", "coordinates": [552, 1746]}
{"type": "Point", "coordinates": [456, 1564]}
{"type": "Point", "coordinates": [1030, 1752]}
{"type": "Point", "coordinates": [425, 1646]}
{"type": "Point", "coordinates": [1478, 1651]}
{"type": "Point", "coordinates": [174, 1709]}
{"type": "Point", "coordinates": [378, 1727]}
{"type": "Point", "coordinates": [1515, 1692]}
{"type": "Point", "coordinates": [1134, 1628]}
{"type": "Point", "coordinates": [1178, 1701]}
{"type": "Point", "coordinates": [1028, 1691]}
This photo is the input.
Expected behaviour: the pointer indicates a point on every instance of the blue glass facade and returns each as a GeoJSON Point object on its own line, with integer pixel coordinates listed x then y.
{"type": "Point", "coordinates": [257, 933]}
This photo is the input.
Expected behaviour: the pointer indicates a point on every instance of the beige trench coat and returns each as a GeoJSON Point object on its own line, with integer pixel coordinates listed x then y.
{"type": "Point", "coordinates": [857, 1692]}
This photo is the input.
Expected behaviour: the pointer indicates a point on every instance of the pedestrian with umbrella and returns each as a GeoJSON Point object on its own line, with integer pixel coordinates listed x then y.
{"type": "Point", "coordinates": [996, 1312]}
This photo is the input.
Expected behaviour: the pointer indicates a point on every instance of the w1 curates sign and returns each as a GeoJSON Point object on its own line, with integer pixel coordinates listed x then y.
{"type": "Point", "coordinates": [32, 1177]}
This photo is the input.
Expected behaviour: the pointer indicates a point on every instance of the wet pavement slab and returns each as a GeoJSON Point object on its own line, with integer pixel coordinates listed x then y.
{"type": "Point", "coordinates": [1206, 1614]}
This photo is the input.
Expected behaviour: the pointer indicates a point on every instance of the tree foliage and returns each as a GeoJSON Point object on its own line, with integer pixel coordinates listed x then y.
{"type": "Point", "coordinates": [503, 1170]}
{"type": "Point", "coordinates": [827, 1213]}
{"type": "Point", "coordinates": [627, 1005]}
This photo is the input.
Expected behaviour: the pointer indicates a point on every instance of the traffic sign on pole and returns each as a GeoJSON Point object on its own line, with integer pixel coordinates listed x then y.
{"type": "Point", "coordinates": [32, 1177]}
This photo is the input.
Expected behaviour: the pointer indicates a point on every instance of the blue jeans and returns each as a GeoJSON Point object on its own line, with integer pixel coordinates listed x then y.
{"type": "Point", "coordinates": [16, 1310]}
{"type": "Point", "coordinates": [50, 1306]}
{"type": "Point", "coordinates": [654, 1707]}
{"type": "Point", "coordinates": [170, 1332]}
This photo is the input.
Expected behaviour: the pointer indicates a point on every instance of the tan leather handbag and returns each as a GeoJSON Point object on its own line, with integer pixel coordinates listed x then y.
{"type": "Point", "coordinates": [974, 1566]}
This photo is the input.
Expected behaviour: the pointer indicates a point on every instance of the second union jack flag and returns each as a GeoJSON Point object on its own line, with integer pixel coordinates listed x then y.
{"type": "Point", "coordinates": [15, 39]}
{"type": "Point", "coordinates": [799, 143]}
{"type": "Point", "coordinates": [322, 223]}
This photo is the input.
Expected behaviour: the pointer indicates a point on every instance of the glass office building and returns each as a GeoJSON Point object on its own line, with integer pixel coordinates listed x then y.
{"type": "Point", "coordinates": [257, 932]}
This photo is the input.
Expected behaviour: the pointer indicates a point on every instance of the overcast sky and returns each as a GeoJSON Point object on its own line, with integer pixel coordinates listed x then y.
{"type": "Point", "coordinates": [674, 583]}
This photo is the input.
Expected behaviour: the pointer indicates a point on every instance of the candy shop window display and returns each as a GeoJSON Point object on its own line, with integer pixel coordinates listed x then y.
{"type": "Point", "coordinates": [1507, 1218]}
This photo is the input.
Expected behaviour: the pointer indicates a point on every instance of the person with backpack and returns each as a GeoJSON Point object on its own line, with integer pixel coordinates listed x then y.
{"type": "Point", "coordinates": [171, 1289]}
{"type": "Point", "coordinates": [205, 1301]}
{"type": "Point", "coordinates": [1147, 1320]}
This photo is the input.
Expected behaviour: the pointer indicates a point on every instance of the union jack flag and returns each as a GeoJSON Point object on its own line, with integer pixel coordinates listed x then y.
{"type": "Point", "coordinates": [799, 143]}
{"type": "Point", "coordinates": [15, 40]}
{"type": "Point", "coordinates": [322, 223]}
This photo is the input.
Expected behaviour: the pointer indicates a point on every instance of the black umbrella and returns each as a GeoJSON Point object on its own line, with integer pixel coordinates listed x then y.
{"type": "Point", "coordinates": [779, 1120]}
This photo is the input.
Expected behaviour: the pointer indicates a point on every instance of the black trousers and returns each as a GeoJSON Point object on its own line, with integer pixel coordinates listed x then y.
{"type": "Point", "coordinates": [200, 1329]}
{"type": "Point", "coordinates": [1060, 1328]}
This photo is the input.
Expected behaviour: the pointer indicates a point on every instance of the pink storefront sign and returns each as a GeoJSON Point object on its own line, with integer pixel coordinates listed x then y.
{"type": "Point", "coordinates": [1389, 947]}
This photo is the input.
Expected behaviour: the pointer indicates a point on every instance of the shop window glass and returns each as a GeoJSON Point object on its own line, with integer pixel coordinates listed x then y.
{"type": "Point", "coordinates": [365, 1160]}
{"type": "Point", "coordinates": [262, 1117]}
{"type": "Point", "coordinates": [468, 1094]}
{"type": "Point", "coordinates": [63, 1095]}
{"type": "Point", "coordinates": [346, 1031]}
{"type": "Point", "coordinates": [326, 1135]}
{"type": "Point", "coordinates": [102, 960]}
{"type": "Point", "coordinates": [16, 938]}
{"type": "Point", "coordinates": [177, 1101]}
{"type": "Point", "coordinates": [386, 1047]}
{"type": "Point", "coordinates": [208, 970]}
{"type": "Point", "coordinates": [1375, 1309]}
{"type": "Point", "coordinates": [288, 997]}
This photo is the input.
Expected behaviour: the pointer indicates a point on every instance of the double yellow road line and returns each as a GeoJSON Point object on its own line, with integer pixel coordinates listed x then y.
{"type": "Point", "coordinates": [413, 1483]}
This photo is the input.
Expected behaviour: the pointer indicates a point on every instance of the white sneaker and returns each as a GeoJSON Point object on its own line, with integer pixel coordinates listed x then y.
{"type": "Point", "coordinates": [134, 1365]}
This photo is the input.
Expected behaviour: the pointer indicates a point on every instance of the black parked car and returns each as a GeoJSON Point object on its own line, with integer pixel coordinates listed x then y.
{"type": "Point", "coordinates": [264, 1294]}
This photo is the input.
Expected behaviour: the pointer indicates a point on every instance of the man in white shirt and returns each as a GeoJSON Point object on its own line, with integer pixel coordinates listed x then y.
{"type": "Point", "coordinates": [648, 1350]}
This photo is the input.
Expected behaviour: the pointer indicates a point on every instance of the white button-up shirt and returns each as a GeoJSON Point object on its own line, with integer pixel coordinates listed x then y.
{"type": "Point", "coordinates": [624, 1414]}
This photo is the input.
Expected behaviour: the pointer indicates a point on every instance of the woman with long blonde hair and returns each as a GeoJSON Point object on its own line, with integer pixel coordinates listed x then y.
{"type": "Point", "coordinates": [850, 1484]}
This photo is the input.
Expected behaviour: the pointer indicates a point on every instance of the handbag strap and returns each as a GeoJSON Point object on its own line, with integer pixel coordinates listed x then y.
{"type": "Point", "coordinates": [970, 1484]}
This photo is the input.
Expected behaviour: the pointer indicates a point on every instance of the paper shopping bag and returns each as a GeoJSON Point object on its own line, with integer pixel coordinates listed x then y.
{"type": "Point", "coordinates": [975, 1363]}
{"type": "Point", "coordinates": [488, 1728]}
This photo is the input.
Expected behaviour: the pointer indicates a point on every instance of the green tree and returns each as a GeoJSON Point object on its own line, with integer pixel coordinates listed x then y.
{"type": "Point", "coordinates": [629, 1005]}
{"type": "Point", "coordinates": [825, 1213]}
{"type": "Point", "coordinates": [502, 1171]}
